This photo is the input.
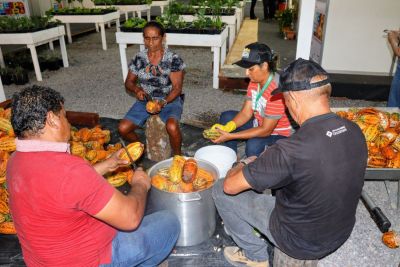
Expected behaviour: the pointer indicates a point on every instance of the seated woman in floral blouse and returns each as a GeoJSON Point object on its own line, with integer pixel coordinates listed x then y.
{"type": "Point", "coordinates": [155, 73]}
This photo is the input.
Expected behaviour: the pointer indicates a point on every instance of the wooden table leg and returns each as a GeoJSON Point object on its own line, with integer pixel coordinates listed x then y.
{"type": "Point", "coordinates": [2, 95]}
{"type": "Point", "coordinates": [103, 36]}
{"type": "Point", "coordinates": [51, 45]}
{"type": "Point", "coordinates": [69, 33]}
{"type": "Point", "coordinates": [35, 62]}
{"type": "Point", "coordinates": [2, 64]}
{"type": "Point", "coordinates": [117, 25]}
{"type": "Point", "coordinates": [216, 51]}
{"type": "Point", "coordinates": [63, 49]}
{"type": "Point", "coordinates": [124, 63]}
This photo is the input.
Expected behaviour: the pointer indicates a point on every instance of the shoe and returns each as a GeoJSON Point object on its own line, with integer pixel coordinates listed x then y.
{"type": "Point", "coordinates": [253, 17]}
{"type": "Point", "coordinates": [236, 257]}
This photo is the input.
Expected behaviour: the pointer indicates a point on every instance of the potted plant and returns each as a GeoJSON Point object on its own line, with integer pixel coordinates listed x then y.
{"type": "Point", "coordinates": [20, 76]}
{"type": "Point", "coordinates": [6, 76]}
{"type": "Point", "coordinates": [286, 19]}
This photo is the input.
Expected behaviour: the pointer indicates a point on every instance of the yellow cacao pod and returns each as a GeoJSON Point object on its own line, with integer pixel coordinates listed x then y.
{"type": "Point", "coordinates": [2, 218]}
{"type": "Point", "coordinates": [211, 134]}
{"type": "Point", "coordinates": [176, 169]}
{"type": "Point", "coordinates": [7, 143]}
{"type": "Point", "coordinates": [4, 207]}
{"type": "Point", "coordinates": [117, 179]}
{"type": "Point", "coordinates": [78, 149]}
{"type": "Point", "coordinates": [135, 151]}
{"type": "Point", "coordinates": [5, 126]}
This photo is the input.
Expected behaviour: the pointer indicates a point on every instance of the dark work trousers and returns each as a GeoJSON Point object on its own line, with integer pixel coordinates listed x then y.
{"type": "Point", "coordinates": [269, 9]}
{"type": "Point", "coordinates": [253, 5]}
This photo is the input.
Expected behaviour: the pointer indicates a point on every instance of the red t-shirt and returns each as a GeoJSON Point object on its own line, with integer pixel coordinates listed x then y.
{"type": "Point", "coordinates": [53, 196]}
{"type": "Point", "coordinates": [269, 106]}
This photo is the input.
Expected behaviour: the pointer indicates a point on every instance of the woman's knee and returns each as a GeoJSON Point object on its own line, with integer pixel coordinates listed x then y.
{"type": "Point", "coordinates": [125, 127]}
{"type": "Point", "coordinates": [172, 126]}
{"type": "Point", "coordinates": [227, 116]}
{"type": "Point", "coordinates": [254, 149]}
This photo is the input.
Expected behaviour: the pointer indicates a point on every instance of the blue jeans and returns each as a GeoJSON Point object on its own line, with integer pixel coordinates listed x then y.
{"type": "Point", "coordinates": [243, 212]}
{"type": "Point", "coordinates": [149, 244]}
{"type": "Point", "coordinates": [394, 94]}
{"type": "Point", "coordinates": [138, 114]}
{"type": "Point", "coordinates": [254, 146]}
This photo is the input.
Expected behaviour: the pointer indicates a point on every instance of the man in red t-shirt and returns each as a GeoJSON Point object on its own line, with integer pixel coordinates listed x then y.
{"type": "Point", "coordinates": [65, 212]}
{"type": "Point", "coordinates": [262, 120]}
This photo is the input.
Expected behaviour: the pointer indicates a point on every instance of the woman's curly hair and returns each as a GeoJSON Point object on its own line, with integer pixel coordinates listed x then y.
{"type": "Point", "coordinates": [30, 108]}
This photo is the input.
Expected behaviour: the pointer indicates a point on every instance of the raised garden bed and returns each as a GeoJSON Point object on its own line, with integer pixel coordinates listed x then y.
{"type": "Point", "coordinates": [81, 11]}
{"type": "Point", "coordinates": [25, 24]}
{"type": "Point", "coordinates": [121, 2]}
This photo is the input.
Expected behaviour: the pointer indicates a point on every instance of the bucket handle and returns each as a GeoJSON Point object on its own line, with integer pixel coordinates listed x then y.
{"type": "Point", "coordinates": [189, 197]}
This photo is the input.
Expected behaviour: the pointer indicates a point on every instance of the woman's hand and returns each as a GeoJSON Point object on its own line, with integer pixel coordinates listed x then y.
{"type": "Point", "coordinates": [225, 136]}
{"type": "Point", "coordinates": [141, 94]}
{"type": "Point", "coordinates": [110, 164]}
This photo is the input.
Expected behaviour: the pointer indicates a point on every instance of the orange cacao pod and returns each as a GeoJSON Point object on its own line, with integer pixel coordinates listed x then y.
{"type": "Point", "coordinates": [391, 239]}
{"type": "Point", "coordinates": [7, 228]}
{"type": "Point", "coordinates": [189, 170]}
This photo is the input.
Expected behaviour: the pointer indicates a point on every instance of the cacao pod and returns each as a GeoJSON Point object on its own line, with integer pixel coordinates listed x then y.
{"type": "Point", "coordinates": [160, 182]}
{"type": "Point", "coordinates": [394, 162]}
{"type": "Point", "coordinates": [7, 228]}
{"type": "Point", "coordinates": [152, 107]}
{"type": "Point", "coordinates": [371, 133]}
{"type": "Point", "coordinates": [78, 149]}
{"type": "Point", "coordinates": [5, 126]}
{"type": "Point", "coordinates": [4, 207]}
{"type": "Point", "coordinates": [176, 169]}
{"type": "Point", "coordinates": [391, 239]}
{"type": "Point", "coordinates": [376, 161]}
{"type": "Point", "coordinates": [135, 151]}
{"type": "Point", "coordinates": [186, 187]}
{"type": "Point", "coordinates": [2, 218]}
{"type": "Point", "coordinates": [388, 152]}
{"type": "Point", "coordinates": [7, 143]}
{"type": "Point", "coordinates": [370, 119]}
{"type": "Point", "coordinates": [211, 134]}
{"type": "Point", "coordinates": [117, 180]}
{"type": "Point", "coordinates": [189, 170]}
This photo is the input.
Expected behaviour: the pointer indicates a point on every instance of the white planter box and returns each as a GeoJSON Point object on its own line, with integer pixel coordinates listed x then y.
{"type": "Point", "coordinates": [160, 4]}
{"type": "Point", "coordinates": [217, 42]}
{"type": "Point", "coordinates": [33, 39]}
{"type": "Point", "coordinates": [229, 20]}
{"type": "Point", "coordinates": [98, 19]}
{"type": "Point", "coordinates": [125, 9]}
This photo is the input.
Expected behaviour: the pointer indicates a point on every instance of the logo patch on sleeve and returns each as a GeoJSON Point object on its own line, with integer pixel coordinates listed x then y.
{"type": "Point", "coordinates": [336, 131]}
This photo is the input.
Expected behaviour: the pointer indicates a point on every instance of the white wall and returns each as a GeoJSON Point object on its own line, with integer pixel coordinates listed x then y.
{"type": "Point", "coordinates": [304, 28]}
{"type": "Point", "coordinates": [354, 40]}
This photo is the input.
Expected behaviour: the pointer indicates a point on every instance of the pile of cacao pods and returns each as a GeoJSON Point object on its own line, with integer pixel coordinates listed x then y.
{"type": "Point", "coordinates": [381, 130]}
{"type": "Point", "coordinates": [7, 146]}
{"type": "Point", "coordinates": [183, 176]}
{"type": "Point", "coordinates": [91, 145]}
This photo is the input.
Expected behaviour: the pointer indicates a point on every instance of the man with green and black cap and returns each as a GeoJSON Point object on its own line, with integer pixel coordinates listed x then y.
{"type": "Point", "coordinates": [317, 174]}
{"type": "Point", "coordinates": [262, 120]}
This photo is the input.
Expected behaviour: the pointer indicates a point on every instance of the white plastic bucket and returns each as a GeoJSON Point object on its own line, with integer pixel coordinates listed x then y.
{"type": "Point", "coordinates": [221, 156]}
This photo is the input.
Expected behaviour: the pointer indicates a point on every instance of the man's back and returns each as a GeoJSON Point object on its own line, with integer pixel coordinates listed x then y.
{"type": "Point", "coordinates": [53, 197]}
{"type": "Point", "coordinates": [318, 174]}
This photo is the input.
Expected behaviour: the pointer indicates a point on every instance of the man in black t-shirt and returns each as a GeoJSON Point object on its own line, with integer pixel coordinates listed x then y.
{"type": "Point", "coordinates": [317, 174]}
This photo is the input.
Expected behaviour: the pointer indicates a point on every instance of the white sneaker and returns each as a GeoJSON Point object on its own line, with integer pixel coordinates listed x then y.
{"type": "Point", "coordinates": [236, 257]}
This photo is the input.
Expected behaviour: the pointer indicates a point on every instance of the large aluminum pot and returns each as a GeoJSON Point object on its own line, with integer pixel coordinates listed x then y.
{"type": "Point", "coordinates": [195, 211]}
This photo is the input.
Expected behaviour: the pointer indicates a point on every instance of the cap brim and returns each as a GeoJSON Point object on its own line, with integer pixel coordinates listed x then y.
{"type": "Point", "coordinates": [244, 64]}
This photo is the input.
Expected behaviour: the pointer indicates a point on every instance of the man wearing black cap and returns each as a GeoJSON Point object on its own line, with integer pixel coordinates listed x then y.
{"type": "Point", "coordinates": [317, 174]}
{"type": "Point", "coordinates": [262, 120]}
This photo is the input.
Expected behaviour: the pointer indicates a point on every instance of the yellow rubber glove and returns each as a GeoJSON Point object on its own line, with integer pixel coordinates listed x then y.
{"type": "Point", "coordinates": [229, 127]}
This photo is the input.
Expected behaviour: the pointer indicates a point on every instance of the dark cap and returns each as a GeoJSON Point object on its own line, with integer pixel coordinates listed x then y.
{"type": "Point", "coordinates": [297, 76]}
{"type": "Point", "coordinates": [255, 53]}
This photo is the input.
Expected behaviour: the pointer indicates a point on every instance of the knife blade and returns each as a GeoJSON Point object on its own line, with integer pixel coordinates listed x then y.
{"type": "Point", "coordinates": [133, 164]}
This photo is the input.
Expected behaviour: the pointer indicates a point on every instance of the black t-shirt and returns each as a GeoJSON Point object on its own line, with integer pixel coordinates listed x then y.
{"type": "Point", "coordinates": [318, 174]}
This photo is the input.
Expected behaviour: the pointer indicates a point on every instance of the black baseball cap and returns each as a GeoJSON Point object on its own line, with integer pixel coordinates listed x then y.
{"type": "Point", "coordinates": [297, 76]}
{"type": "Point", "coordinates": [255, 53]}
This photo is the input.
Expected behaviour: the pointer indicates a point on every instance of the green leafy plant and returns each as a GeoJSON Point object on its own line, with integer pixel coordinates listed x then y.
{"type": "Point", "coordinates": [286, 19]}
{"type": "Point", "coordinates": [135, 23]}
